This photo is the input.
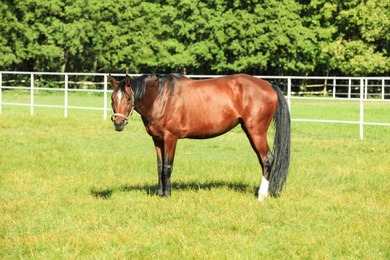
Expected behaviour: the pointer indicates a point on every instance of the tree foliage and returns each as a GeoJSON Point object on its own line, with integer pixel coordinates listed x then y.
{"type": "Point", "coordinates": [280, 37]}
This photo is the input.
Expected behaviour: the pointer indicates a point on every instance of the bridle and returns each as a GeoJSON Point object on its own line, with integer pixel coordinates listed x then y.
{"type": "Point", "coordinates": [125, 118]}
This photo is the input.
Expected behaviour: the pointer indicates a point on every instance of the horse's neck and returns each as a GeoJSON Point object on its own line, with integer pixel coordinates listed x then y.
{"type": "Point", "coordinates": [144, 104]}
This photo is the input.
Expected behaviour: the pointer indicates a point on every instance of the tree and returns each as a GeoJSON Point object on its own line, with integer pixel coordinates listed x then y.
{"type": "Point", "coordinates": [284, 37]}
{"type": "Point", "coordinates": [365, 34]}
{"type": "Point", "coordinates": [353, 37]}
{"type": "Point", "coordinates": [9, 37]}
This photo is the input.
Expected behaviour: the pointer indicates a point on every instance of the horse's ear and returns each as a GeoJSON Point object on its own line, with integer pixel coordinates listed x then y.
{"type": "Point", "coordinates": [113, 82]}
{"type": "Point", "coordinates": [127, 80]}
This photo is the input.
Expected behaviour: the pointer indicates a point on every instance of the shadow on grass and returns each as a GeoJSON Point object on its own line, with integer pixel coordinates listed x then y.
{"type": "Point", "coordinates": [103, 194]}
{"type": "Point", "coordinates": [151, 189]}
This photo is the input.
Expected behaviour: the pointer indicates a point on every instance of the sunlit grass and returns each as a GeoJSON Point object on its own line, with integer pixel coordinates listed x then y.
{"type": "Point", "coordinates": [74, 188]}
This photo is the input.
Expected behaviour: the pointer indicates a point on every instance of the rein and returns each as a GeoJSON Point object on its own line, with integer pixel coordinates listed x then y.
{"type": "Point", "coordinates": [125, 118]}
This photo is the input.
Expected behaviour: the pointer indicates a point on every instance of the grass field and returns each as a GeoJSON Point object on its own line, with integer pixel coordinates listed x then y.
{"type": "Point", "coordinates": [74, 188]}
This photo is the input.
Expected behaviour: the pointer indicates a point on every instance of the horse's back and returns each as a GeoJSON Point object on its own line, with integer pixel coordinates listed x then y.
{"type": "Point", "coordinates": [253, 83]}
{"type": "Point", "coordinates": [238, 87]}
{"type": "Point", "coordinates": [231, 81]}
{"type": "Point", "coordinates": [224, 83]}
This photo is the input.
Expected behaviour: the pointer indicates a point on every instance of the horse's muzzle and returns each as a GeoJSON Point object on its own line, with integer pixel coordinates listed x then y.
{"type": "Point", "coordinates": [121, 125]}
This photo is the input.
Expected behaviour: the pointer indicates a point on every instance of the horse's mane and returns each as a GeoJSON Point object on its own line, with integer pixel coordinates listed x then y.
{"type": "Point", "coordinates": [138, 84]}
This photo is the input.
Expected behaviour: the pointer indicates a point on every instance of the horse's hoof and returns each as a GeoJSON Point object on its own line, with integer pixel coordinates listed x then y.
{"type": "Point", "coordinates": [262, 197]}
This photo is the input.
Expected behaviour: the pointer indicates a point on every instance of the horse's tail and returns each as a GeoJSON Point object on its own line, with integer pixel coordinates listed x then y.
{"type": "Point", "coordinates": [281, 149]}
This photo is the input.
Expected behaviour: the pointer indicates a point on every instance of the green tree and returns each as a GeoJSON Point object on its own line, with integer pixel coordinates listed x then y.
{"type": "Point", "coordinates": [284, 37]}
{"type": "Point", "coordinates": [319, 17]}
{"type": "Point", "coordinates": [353, 37]}
{"type": "Point", "coordinates": [10, 37]}
{"type": "Point", "coordinates": [238, 36]}
{"type": "Point", "coordinates": [30, 35]}
{"type": "Point", "coordinates": [365, 35]}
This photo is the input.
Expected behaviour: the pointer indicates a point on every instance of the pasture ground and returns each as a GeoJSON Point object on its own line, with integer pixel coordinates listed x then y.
{"type": "Point", "coordinates": [74, 188]}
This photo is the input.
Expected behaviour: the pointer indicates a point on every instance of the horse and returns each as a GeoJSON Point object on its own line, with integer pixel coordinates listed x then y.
{"type": "Point", "coordinates": [173, 106]}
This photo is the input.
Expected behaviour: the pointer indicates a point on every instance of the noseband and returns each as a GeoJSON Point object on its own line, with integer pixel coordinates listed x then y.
{"type": "Point", "coordinates": [125, 118]}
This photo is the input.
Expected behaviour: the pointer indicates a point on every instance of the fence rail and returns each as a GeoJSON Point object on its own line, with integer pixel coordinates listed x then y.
{"type": "Point", "coordinates": [363, 89]}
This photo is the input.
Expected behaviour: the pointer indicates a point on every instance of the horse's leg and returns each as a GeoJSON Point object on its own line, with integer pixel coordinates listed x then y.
{"type": "Point", "coordinates": [159, 145]}
{"type": "Point", "coordinates": [170, 142]}
{"type": "Point", "coordinates": [267, 161]}
{"type": "Point", "coordinates": [258, 140]}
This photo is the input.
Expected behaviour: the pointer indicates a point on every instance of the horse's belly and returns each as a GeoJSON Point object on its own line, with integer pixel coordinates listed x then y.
{"type": "Point", "coordinates": [208, 126]}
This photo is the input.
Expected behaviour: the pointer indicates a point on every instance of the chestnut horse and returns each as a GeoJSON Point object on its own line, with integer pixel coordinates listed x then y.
{"type": "Point", "coordinates": [174, 106]}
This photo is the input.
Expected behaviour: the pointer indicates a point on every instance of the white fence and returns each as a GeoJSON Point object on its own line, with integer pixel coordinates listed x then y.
{"type": "Point", "coordinates": [363, 89]}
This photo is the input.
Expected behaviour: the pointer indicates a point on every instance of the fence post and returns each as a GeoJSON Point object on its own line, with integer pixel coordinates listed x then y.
{"type": "Point", "coordinates": [289, 93]}
{"type": "Point", "coordinates": [361, 108]}
{"type": "Point", "coordinates": [366, 89]}
{"type": "Point", "coordinates": [334, 88]}
{"type": "Point", "coordinates": [383, 90]}
{"type": "Point", "coordinates": [1, 91]}
{"type": "Point", "coordinates": [66, 101]}
{"type": "Point", "coordinates": [105, 98]}
{"type": "Point", "coordinates": [32, 93]}
{"type": "Point", "coordinates": [349, 88]}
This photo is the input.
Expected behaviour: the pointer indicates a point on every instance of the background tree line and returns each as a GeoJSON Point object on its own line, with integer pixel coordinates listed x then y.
{"type": "Point", "coordinates": [285, 37]}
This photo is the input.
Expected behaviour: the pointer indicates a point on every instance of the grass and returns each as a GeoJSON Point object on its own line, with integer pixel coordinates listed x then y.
{"type": "Point", "coordinates": [74, 188]}
{"type": "Point", "coordinates": [340, 110]}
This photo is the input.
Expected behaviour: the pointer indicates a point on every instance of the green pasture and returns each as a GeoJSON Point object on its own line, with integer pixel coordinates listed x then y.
{"type": "Point", "coordinates": [73, 188]}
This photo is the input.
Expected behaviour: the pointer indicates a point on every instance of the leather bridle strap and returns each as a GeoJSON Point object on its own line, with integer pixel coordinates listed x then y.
{"type": "Point", "coordinates": [114, 115]}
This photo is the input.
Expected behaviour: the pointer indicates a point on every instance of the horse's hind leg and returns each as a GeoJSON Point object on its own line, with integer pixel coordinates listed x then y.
{"type": "Point", "coordinates": [258, 140]}
{"type": "Point", "coordinates": [266, 163]}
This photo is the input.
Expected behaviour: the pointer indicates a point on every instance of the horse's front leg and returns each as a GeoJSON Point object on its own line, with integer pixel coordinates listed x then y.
{"type": "Point", "coordinates": [159, 145]}
{"type": "Point", "coordinates": [170, 142]}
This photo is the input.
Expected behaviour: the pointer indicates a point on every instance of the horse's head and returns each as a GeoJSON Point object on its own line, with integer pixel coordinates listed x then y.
{"type": "Point", "coordinates": [122, 102]}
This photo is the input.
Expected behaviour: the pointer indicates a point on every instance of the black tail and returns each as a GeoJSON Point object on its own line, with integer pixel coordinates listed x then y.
{"type": "Point", "coordinates": [281, 147]}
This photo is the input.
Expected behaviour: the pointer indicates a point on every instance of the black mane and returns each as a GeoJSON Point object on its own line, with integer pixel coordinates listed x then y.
{"type": "Point", "coordinates": [138, 84]}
